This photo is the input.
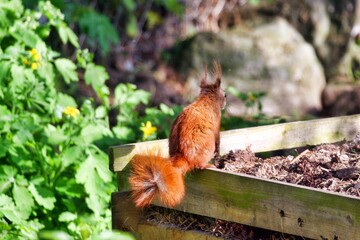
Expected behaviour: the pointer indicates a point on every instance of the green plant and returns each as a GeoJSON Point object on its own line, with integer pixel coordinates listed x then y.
{"type": "Point", "coordinates": [251, 100]}
{"type": "Point", "coordinates": [253, 115]}
{"type": "Point", "coordinates": [98, 29]}
{"type": "Point", "coordinates": [129, 122]}
{"type": "Point", "coordinates": [103, 22]}
{"type": "Point", "coordinates": [52, 175]}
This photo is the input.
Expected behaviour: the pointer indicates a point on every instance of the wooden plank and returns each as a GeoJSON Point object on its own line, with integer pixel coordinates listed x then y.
{"type": "Point", "coordinates": [269, 204]}
{"type": "Point", "coordinates": [126, 217]}
{"type": "Point", "coordinates": [260, 139]}
{"type": "Point", "coordinates": [272, 205]}
{"type": "Point", "coordinates": [120, 156]}
{"type": "Point", "coordinates": [156, 232]}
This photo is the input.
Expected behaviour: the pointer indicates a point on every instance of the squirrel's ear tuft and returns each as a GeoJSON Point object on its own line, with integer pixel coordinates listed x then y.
{"type": "Point", "coordinates": [203, 82]}
{"type": "Point", "coordinates": [217, 73]}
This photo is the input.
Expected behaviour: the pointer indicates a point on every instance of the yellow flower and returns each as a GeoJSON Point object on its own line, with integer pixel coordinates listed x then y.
{"type": "Point", "coordinates": [33, 60]}
{"type": "Point", "coordinates": [147, 129]}
{"type": "Point", "coordinates": [35, 55]}
{"type": "Point", "coordinates": [71, 111]}
{"type": "Point", "coordinates": [25, 61]}
{"type": "Point", "coordinates": [33, 51]}
{"type": "Point", "coordinates": [35, 65]}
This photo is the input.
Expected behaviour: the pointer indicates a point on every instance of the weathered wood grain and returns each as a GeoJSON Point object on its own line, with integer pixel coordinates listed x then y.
{"type": "Point", "coordinates": [271, 205]}
{"type": "Point", "coordinates": [128, 218]}
{"type": "Point", "coordinates": [260, 139]}
{"type": "Point", "coordinates": [120, 156]}
{"type": "Point", "coordinates": [156, 232]}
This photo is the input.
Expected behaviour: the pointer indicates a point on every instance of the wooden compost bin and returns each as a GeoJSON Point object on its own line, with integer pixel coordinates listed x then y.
{"type": "Point", "coordinates": [249, 200]}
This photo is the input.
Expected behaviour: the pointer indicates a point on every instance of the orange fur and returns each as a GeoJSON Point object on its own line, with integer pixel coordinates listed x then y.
{"type": "Point", "coordinates": [153, 176]}
{"type": "Point", "coordinates": [194, 138]}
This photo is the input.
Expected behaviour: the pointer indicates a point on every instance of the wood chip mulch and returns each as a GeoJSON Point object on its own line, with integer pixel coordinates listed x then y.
{"type": "Point", "coordinates": [333, 167]}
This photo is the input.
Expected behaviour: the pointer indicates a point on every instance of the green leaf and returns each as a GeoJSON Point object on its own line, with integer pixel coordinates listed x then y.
{"type": "Point", "coordinates": [68, 187]}
{"type": "Point", "coordinates": [153, 19]}
{"type": "Point", "coordinates": [99, 29]}
{"type": "Point", "coordinates": [4, 226]}
{"type": "Point", "coordinates": [93, 167]}
{"type": "Point", "coordinates": [85, 230]}
{"type": "Point", "coordinates": [66, 34]}
{"type": "Point", "coordinates": [95, 75]}
{"type": "Point", "coordinates": [5, 114]}
{"type": "Point", "coordinates": [101, 165]}
{"type": "Point", "coordinates": [22, 137]}
{"type": "Point", "coordinates": [14, 7]}
{"type": "Point", "coordinates": [94, 203]}
{"type": "Point", "coordinates": [8, 171]}
{"type": "Point", "coordinates": [5, 200]}
{"type": "Point", "coordinates": [93, 172]}
{"type": "Point", "coordinates": [124, 133]}
{"type": "Point", "coordinates": [101, 112]}
{"type": "Point", "coordinates": [127, 94]}
{"type": "Point", "coordinates": [43, 196]}
{"type": "Point", "coordinates": [174, 6]}
{"type": "Point", "coordinates": [62, 33]}
{"type": "Point", "coordinates": [30, 229]}
{"type": "Point", "coordinates": [72, 38]}
{"type": "Point", "coordinates": [93, 184]}
{"type": "Point", "coordinates": [254, 2]}
{"type": "Point", "coordinates": [94, 132]}
{"type": "Point", "coordinates": [7, 177]}
{"type": "Point", "coordinates": [167, 110]}
{"type": "Point", "coordinates": [65, 100]}
{"type": "Point", "coordinates": [129, 5]}
{"type": "Point", "coordinates": [71, 155]}
{"type": "Point", "coordinates": [46, 71]}
{"type": "Point", "coordinates": [4, 147]}
{"type": "Point", "coordinates": [55, 135]}
{"type": "Point", "coordinates": [4, 71]}
{"type": "Point", "coordinates": [28, 37]}
{"type": "Point", "coordinates": [23, 200]}
{"type": "Point", "coordinates": [85, 172]}
{"type": "Point", "coordinates": [54, 235]}
{"type": "Point", "coordinates": [132, 27]}
{"type": "Point", "coordinates": [67, 217]}
{"type": "Point", "coordinates": [18, 75]}
{"type": "Point", "coordinates": [67, 69]}
{"type": "Point", "coordinates": [113, 235]}
{"type": "Point", "coordinates": [8, 209]}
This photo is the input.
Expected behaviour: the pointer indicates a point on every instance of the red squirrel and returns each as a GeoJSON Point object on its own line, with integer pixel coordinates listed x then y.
{"type": "Point", "coordinates": [193, 141]}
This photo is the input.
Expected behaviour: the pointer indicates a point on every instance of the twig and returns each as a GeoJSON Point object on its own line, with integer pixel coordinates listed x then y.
{"type": "Point", "coordinates": [300, 155]}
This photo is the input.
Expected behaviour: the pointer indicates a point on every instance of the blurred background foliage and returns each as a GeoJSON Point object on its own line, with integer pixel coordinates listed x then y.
{"type": "Point", "coordinates": [102, 23]}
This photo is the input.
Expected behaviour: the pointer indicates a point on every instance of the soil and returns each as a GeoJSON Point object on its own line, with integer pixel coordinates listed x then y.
{"type": "Point", "coordinates": [332, 167]}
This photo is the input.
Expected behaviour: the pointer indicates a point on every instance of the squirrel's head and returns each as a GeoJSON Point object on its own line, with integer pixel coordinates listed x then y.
{"type": "Point", "coordinates": [214, 89]}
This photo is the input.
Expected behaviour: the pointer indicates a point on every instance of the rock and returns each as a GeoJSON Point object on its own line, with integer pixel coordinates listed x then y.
{"type": "Point", "coordinates": [273, 58]}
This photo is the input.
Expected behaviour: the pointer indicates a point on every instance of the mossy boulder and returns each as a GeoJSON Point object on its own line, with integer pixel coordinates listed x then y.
{"type": "Point", "coordinates": [271, 58]}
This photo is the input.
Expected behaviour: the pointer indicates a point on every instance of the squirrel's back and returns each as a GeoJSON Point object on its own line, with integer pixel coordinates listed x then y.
{"type": "Point", "coordinates": [193, 140]}
{"type": "Point", "coordinates": [194, 133]}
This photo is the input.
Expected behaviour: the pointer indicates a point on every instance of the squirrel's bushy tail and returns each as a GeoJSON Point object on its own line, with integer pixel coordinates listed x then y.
{"type": "Point", "coordinates": [154, 176]}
